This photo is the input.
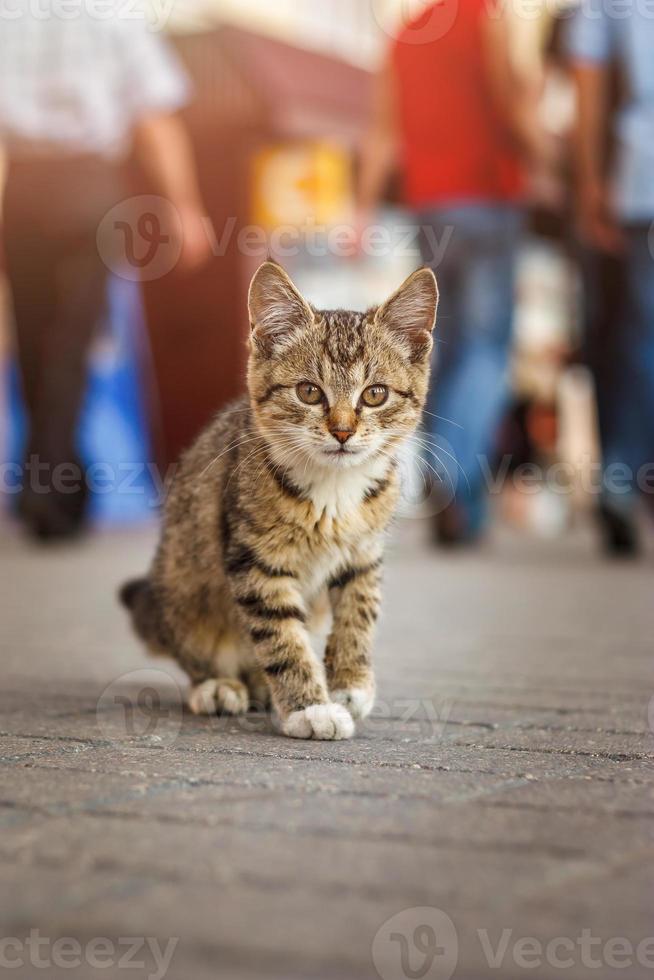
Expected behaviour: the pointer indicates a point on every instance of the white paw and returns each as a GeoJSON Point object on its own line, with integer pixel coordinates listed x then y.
{"type": "Point", "coordinates": [323, 721]}
{"type": "Point", "coordinates": [233, 698]}
{"type": "Point", "coordinates": [359, 701]}
{"type": "Point", "coordinates": [202, 698]}
{"type": "Point", "coordinates": [225, 695]}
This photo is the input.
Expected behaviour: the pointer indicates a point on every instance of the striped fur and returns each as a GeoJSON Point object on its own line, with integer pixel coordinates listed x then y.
{"type": "Point", "coordinates": [267, 515]}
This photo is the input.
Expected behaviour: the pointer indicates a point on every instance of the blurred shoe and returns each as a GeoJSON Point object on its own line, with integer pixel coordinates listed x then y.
{"type": "Point", "coordinates": [53, 516]}
{"type": "Point", "coordinates": [452, 529]}
{"type": "Point", "coordinates": [619, 533]}
{"type": "Point", "coordinates": [49, 521]}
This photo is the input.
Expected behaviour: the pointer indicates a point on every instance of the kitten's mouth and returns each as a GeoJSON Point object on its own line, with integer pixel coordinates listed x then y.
{"type": "Point", "coordinates": [343, 453]}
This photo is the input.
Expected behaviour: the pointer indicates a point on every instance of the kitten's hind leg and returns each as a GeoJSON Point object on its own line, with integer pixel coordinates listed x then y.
{"type": "Point", "coordinates": [259, 688]}
{"type": "Point", "coordinates": [219, 695]}
{"type": "Point", "coordinates": [214, 669]}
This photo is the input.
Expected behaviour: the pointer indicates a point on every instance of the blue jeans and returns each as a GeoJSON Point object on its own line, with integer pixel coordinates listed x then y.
{"type": "Point", "coordinates": [469, 388]}
{"type": "Point", "coordinates": [629, 427]}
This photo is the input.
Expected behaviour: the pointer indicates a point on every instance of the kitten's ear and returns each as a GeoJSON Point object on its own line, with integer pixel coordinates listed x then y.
{"type": "Point", "coordinates": [410, 313]}
{"type": "Point", "coordinates": [276, 307]}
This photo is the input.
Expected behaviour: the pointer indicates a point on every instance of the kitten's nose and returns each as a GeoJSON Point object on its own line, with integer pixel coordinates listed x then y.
{"type": "Point", "coordinates": [342, 435]}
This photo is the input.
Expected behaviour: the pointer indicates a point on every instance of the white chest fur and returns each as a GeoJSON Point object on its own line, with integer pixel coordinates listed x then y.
{"type": "Point", "coordinates": [337, 494]}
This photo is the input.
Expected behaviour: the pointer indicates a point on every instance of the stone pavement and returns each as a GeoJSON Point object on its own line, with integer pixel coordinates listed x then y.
{"type": "Point", "coordinates": [503, 791]}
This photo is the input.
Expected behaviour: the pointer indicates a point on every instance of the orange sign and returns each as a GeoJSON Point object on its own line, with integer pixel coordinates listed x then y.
{"type": "Point", "coordinates": [293, 183]}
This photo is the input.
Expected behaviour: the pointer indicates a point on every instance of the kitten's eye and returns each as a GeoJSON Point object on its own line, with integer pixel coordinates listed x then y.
{"type": "Point", "coordinates": [309, 393]}
{"type": "Point", "coordinates": [375, 396]}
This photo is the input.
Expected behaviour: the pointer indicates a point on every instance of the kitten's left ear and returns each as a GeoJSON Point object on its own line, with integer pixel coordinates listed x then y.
{"type": "Point", "coordinates": [410, 313]}
{"type": "Point", "coordinates": [276, 307]}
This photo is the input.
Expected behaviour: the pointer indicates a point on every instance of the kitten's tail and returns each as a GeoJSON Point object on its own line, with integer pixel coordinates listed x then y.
{"type": "Point", "coordinates": [136, 596]}
{"type": "Point", "coordinates": [130, 593]}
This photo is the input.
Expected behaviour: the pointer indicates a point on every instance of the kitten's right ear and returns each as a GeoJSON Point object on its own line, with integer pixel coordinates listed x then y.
{"type": "Point", "coordinates": [277, 309]}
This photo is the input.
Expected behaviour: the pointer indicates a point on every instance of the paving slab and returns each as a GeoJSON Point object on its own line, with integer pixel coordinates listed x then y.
{"type": "Point", "coordinates": [502, 795]}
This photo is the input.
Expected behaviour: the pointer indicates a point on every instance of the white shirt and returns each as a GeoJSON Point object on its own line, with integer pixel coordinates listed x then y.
{"type": "Point", "coordinates": [78, 83]}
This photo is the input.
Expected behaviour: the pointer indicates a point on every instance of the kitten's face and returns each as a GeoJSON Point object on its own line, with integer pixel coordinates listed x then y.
{"type": "Point", "coordinates": [336, 389]}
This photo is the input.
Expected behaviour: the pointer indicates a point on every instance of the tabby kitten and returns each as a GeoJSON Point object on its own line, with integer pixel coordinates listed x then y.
{"type": "Point", "coordinates": [285, 497]}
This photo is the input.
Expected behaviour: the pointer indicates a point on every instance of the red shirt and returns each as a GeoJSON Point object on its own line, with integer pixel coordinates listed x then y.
{"type": "Point", "coordinates": [454, 146]}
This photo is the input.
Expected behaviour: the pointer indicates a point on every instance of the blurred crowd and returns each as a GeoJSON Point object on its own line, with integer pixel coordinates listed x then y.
{"type": "Point", "coordinates": [494, 124]}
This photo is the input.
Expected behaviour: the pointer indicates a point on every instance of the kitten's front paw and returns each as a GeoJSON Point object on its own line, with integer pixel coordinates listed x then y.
{"type": "Point", "coordinates": [359, 701]}
{"type": "Point", "coordinates": [322, 721]}
{"type": "Point", "coordinates": [219, 696]}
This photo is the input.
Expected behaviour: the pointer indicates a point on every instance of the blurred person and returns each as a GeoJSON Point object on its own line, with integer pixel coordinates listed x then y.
{"type": "Point", "coordinates": [616, 211]}
{"type": "Point", "coordinates": [78, 95]}
{"type": "Point", "coordinates": [462, 123]}
{"type": "Point", "coordinates": [603, 284]}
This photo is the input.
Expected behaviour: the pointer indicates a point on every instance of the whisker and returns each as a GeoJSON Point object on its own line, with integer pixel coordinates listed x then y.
{"type": "Point", "coordinates": [442, 418]}
{"type": "Point", "coordinates": [237, 442]}
{"type": "Point", "coordinates": [425, 444]}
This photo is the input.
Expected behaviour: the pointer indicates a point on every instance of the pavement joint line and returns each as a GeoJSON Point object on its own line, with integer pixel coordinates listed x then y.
{"type": "Point", "coordinates": [558, 808]}
{"type": "Point", "coordinates": [489, 706]}
{"type": "Point", "coordinates": [574, 730]}
{"type": "Point", "coordinates": [323, 889]}
{"type": "Point", "coordinates": [269, 789]}
{"type": "Point", "coordinates": [549, 709]}
{"type": "Point", "coordinates": [528, 779]}
{"type": "Point", "coordinates": [411, 768]}
{"type": "Point", "coordinates": [613, 864]}
{"type": "Point", "coordinates": [456, 703]}
{"type": "Point", "coordinates": [91, 743]}
{"type": "Point", "coordinates": [582, 753]}
{"type": "Point", "coordinates": [497, 846]}
{"type": "Point", "coordinates": [390, 765]}
{"type": "Point", "coordinates": [93, 804]}
{"type": "Point", "coordinates": [415, 723]}
{"type": "Point", "coordinates": [234, 783]}
{"type": "Point", "coordinates": [522, 725]}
